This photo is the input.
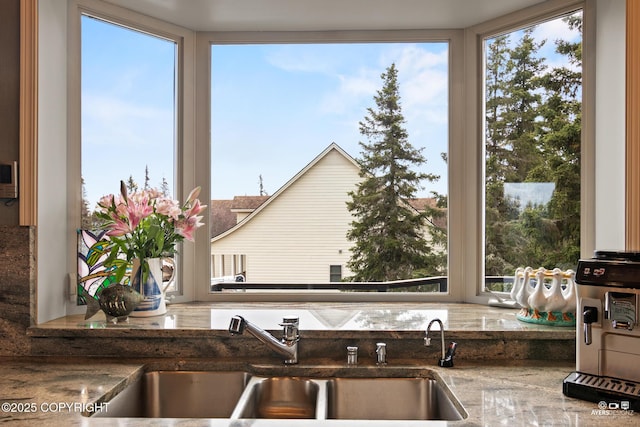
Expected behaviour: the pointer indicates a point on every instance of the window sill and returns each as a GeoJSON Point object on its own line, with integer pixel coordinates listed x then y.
{"type": "Point", "coordinates": [317, 320]}
{"type": "Point", "coordinates": [199, 331]}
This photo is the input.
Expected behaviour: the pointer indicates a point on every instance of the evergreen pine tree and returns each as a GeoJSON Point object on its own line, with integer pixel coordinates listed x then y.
{"type": "Point", "coordinates": [164, 187]}
{"type": "Point", "coordinates": [496, 153]}
{"type": "Point", "coordinates": [387, 231]}
{"type": "Point", "coordinates": [87, 217]}
{"type": "Point", "coordinates": [131, 185]}
{"type": "Point", "coordinates": [146, 178]}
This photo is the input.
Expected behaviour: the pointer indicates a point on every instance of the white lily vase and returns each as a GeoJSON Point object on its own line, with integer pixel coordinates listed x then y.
{"type": "Point", "coordinates": [153, 289]}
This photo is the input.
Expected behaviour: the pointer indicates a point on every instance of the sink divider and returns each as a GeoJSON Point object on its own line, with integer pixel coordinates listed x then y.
{"type": "Point", "coordinates": [243, 401]}
{"type": "Point", "coordinates": [322, 407]}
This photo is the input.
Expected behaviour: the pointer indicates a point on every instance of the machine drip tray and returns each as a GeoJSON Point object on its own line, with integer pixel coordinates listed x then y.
{"type": "Point", "coordinates": [616, 393]}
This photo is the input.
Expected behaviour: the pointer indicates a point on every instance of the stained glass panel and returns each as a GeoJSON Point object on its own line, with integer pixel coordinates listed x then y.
{"type": "Point", "coordinates": [93, 276]}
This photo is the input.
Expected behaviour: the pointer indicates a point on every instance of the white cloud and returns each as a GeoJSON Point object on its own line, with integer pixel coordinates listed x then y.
{"type": "Point", "coordinates": [115, 121]}
{"type": "Point", "coordinates": [350, 92]}
{"type": "Point", "coordinates": [113, 108]}
{"type": "Point", "coordinates": [294, 59]}
{"type": "Point", "coordinates": [554, 30]}
{"type": "Point", "coordinates": [413, 58]}
{"type": "Point", "coordinates": [424, 89]}
{"type": "Point", "coordinates": [136, 135]}
{"type": "Point", "coordinates": [422, 78]}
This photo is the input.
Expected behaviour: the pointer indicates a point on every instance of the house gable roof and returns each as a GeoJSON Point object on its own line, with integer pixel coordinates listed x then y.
{"type": "Point", "coordinates": [270, 199]}
{"type": "Point", "coordinates": [222, 218]}
{"type": "Point", "coordinates": [247, 203]}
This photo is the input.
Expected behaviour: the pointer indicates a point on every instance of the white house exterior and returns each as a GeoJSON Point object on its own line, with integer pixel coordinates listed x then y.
{"type": "Point", "coordinates": [299, 233]}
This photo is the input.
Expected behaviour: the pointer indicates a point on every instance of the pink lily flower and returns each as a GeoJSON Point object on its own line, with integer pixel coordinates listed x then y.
{"type": "Point", "coordinates": [195, 209]}
{"type": "Point", "coordinates": [128, 217]}
{"type": "Point", "coordinates": [193, 195]}
{"type": "Point", "coordinates": [136, 212]}
{"type": "Point", "coordinates": [187, 226]}
{"type": "Point", "coordinates": [119, 228]}
{"type": "Point", "coordinates": [169, 208]}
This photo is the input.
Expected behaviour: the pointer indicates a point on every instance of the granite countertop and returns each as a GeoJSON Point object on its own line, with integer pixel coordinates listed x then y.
{"type": "Point", "coordinates": [61, 392]}
{"type": "Point", "coordinates": [482, 332]}
{"type": "Point", "coordinates": [506, 372]}
{"type": "Point", "coordinates": [316, 320]}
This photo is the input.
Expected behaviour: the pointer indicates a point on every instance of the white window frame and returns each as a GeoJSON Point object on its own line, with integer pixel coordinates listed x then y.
{"type": "Point", "coordinates": [474, 79]}
{"type": "Point", "coordinates": [465, 182]}
{"type": "Point", "coordinates": [455, 39]}
{"type": "Point", "coordinates": [184, 154]}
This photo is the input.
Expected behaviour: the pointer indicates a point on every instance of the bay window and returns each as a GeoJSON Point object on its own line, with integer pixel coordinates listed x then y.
{"type": "Point", "coordinates": [491, 213]}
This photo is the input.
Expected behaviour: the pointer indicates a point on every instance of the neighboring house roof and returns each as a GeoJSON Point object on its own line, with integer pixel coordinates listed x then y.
{"type": "Point", "coordinates": [222, 218]}
{"type": "Point", "coordinates": [224, 212]}
{"type": "Point", "coordinates": [270, 199]}
{"type": "Point", "coordinates": [247, 203]}
{"type": "Point", "coordinates": [421, 204]}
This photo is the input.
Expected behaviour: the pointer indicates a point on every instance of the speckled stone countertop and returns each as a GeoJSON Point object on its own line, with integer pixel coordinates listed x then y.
{"type": "Point", "coordinates": [316, 318]}
{"type": "Point", "coordinates": [61, 392]}
{"type": "Point", "coordinates": [482, 332]}
{"type": "Point", "coordinates": [506, 372]}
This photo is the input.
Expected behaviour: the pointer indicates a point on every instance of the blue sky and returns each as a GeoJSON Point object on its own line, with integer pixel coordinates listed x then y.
{"type": "Point", "coordinates": [127, 108]}
{"type": "Point", "coordinates": [274, 107]}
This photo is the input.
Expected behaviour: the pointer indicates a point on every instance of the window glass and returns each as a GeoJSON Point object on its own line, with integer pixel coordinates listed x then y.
{"type": "Point", "coordinates": [286, 124]}
{"type": "Point", "coordinates": [128, 98]}
{"type": "Point", "coordinates": [532, 131]}
{"type": "Point", "coordinates": [335, 273]}
{"type": "Point", "coordinates": [128, 109]}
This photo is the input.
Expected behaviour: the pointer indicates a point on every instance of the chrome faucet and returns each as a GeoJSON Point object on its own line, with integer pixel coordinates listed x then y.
{"type": "Point", "coordinates": [287, 347]}
{"type": "Point", "coordinates": [446, 361]}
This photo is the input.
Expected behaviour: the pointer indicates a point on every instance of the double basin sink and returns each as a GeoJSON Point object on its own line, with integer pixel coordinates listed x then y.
{"type": "Point", "coordinates": [237, 394]}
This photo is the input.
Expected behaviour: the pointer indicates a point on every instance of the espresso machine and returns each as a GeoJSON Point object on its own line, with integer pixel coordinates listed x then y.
{"type": "Point", "coordinates": [608, 334]}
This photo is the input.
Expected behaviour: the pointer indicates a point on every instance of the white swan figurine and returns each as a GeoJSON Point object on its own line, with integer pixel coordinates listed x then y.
{"type": "Point", "coordinates": [537, 300]}
{"type": "Point", "coordinates": [522, 297]}
{"type": "Point", "coordinates": [517, 283]}
{"type": "Point", "coordinates": [555, 298]}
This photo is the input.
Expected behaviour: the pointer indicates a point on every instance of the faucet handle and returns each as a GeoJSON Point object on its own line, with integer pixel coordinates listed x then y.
{"type": "Point", "coordinates": [381, 351]}
{"type": "Point", "coordinates": [447, 362]}
{"type": "Point", "coordinates": [290, 320]}
{"type": "Point", "coordinates": [290, 325]}
{"type": "Point", "coordinates": [352, 355]}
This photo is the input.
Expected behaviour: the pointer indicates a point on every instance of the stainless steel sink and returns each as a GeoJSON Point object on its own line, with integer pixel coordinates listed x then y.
{"type": "Point", "coordinates": [180, 394]}
{"type": "Point", "coordinates": [240, 395]}
{"type": "Point", "coordinates": [279, 397]}
{"type": "Point", "coordinates": [389, 399]}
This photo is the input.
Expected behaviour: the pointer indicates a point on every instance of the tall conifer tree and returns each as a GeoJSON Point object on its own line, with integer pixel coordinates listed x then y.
{"type": "Point", "coordinates": [387, 231]}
